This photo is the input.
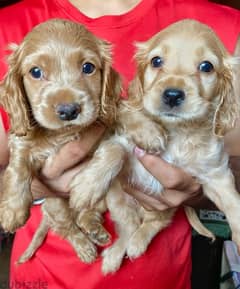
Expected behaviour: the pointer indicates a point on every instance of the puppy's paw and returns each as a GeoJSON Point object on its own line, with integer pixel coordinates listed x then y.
{"type": "Point", "coordinates": [152, 139]}
{"type": "Point", "coordinates": [84, 248]}
{"type": "Point", "coordinates": [88, 254]}
{"type": "Point", "coordinates": [136, 246]}
{"type": "Point", "coordinates": [13, 216]}
{"type": "Point", "coordinates": [97, 234]}
{"type": "Point", "coordinates": [90, 222]}
{"type": "Point", "coordinates": [112, 259]}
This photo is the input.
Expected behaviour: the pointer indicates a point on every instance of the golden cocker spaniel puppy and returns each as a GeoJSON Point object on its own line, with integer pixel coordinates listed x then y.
{"type": "Point", "coordinates": [182, 102]}
{"type": "Point", "coordinates": [60, 81]}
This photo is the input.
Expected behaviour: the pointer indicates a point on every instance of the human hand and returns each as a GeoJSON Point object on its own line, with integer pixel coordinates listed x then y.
{"type": "Point", "coordinates": [4, 151]}
{"type": "Point", "coordinates": [180, 188]}
{"type": "Point", "coordinates": [232, 140]}
{"type": "Point", "coordinates": [58, 173]}
{"type": "Point", "coordinates": [234, 163]}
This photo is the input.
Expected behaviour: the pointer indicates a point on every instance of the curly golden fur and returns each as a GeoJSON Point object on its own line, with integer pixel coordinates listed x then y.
{"type": "Point", "coordinates": [182, 101]}
{"type": "Point", "coordinates": [60, 81]}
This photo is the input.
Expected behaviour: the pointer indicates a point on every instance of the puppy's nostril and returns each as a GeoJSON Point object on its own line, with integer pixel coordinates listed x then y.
{"type": "Point", "coordinates": [173, 97]}
{"type": "Point", "coordinates": [68, 111]}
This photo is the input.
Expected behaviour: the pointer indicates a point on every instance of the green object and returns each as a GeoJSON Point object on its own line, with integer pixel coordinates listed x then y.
{"type": "Point", "coordinates": [216, 222]}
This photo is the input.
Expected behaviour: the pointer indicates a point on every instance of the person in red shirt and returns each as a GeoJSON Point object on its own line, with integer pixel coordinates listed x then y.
{"type": "Point", "coordinates": [167, 262]}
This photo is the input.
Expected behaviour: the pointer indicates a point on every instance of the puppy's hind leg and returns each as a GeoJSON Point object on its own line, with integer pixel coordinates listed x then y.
{"type": "Point", "coordinates": [62, 222]}
{"type": "Point", "coordinates": [36, 242]}
{"type": "Point", "coordinates": [153, 223]}
{"type": "Point", "coordinates": [125, 215]}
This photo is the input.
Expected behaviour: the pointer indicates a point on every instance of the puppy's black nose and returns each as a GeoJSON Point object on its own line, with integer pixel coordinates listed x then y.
{"type": "Point", "coordinates": [173, 97]}
{"type": "Point", "coordinates": [68, 111]}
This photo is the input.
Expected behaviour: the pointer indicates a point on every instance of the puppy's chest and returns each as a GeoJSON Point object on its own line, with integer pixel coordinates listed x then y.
{"type": "Point", "coordinates": [199, 156]}
{"type": "Point", "coordinates": [189, 152]}
{"type": "Point", "coordinates": [195, 152]}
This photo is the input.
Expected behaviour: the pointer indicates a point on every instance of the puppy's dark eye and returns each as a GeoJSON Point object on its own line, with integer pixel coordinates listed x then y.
{"type": "Point", "coordinates": [36, 72]}
{"type": "Point", "coordinates": [157, 61]}
{"type": "Point", "coordinates": [88, 68]}
{"type": "Point", "coordinates": [205, 66]}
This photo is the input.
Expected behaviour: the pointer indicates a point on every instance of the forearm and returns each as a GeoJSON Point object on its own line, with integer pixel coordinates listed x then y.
{"type": "Point", "coordinates": [57, 187]}
{"type": "Point", "coordinates": [4, 153]}
{"type": "Point", "coordinates": [232, 145]}
{"type": "Point", "coordinates": [235, 166]}
{"type": "Point", "coordinates": [232, 140]}
{"type": "Point", "coordinates": [59, 172]}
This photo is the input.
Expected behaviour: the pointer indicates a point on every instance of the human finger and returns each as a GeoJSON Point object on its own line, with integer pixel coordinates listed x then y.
{"type": "Point", "coordinates": [73, 152]}
{"type": "Point", "coordinates": [60, 185]}
{"type": "Point", "coordinates": [148, 202]}
{"type": "Point", "coordinates": [170, 176]}
{"type": "Point", "coordinates": [166, 200]}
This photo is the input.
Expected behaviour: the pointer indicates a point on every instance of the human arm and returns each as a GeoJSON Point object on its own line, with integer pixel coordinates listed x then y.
{"type": "Point", "coordinates": [181, 188]}
{"type": "Point", "coordinates": [232, 144]}
{"type": "Point", "coordinates": [4, 153]}
{"type": "Point", "coordinates": [57, 174]}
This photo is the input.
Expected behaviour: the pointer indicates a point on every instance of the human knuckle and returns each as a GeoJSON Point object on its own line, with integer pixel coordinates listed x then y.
{"type": "Point", "coordinates": [150, 161]}
{"type": "Point", "coordinates": [173, 181]}
{"type": "Point", "coordinates": [195, 187]}
{"type": "Point", "coordinates": [178, 202]}
{"type": "Point", "coordinates": [76, 151]}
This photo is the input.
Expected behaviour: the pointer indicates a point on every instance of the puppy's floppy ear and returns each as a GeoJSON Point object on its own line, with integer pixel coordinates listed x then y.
{"type": "Point", "coordinates": [236, 69]}
{"type": "Point", "coordinates": [111, 87]}
{"type": "Point", "coordinates": [136, 86]}
{"type": "Point", "coordinates": [135, 92]}
{"type": "Point", "coordinates": [229, 91]}
{"type": "Point", "coordinates": [13, 95]}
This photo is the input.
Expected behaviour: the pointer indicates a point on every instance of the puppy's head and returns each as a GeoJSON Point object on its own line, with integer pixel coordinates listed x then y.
{"type": "Point", "coordinates": [185, 74]}
{"type": "Point", "coordinates": [60, 75]}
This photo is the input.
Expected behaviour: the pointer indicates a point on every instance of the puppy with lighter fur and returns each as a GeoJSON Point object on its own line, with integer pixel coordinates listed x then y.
{"type": "Point", "coordinates": [60, 81]}
{"type": "Point", "coordinates": [183, 100]}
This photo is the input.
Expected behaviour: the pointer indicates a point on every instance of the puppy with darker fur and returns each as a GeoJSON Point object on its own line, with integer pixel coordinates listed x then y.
{"type": "Point", "coordinates": [182, 102]}
{"type": "Point", "coordinates": [60, 81]}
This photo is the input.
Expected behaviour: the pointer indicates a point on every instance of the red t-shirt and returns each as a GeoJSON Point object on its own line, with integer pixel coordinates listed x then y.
{"type": "Point", "coordinates": [5, 119]}
{"type": "Point", "coordinates": [167, 262]}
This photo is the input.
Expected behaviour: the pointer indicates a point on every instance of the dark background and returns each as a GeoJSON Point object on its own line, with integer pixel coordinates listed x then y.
{"type": "Point", "coordinates": [232, 3]}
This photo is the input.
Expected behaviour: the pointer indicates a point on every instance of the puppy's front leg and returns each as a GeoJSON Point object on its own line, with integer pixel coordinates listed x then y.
{"type": "Point", "coordinates": [222, 191]}
{"type": "Point", "coordinates": [16, 197]}
{"type": "Point", "coordinates": [142, 130]}
{"type": "Point", "coordinates": [90, 222]}
{"type": "Point", "coordinates": [92, 183]}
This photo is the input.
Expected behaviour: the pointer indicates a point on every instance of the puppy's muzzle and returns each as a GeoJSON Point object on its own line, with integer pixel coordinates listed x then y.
{"type": "Point", "coordinates": [68, 111]}
{"type": "Point", "coordinates": [173, 97]}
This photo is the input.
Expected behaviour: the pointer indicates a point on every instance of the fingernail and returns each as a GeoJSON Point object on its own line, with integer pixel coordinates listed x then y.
{"type": "Point", "coordinates": [139, 152]}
